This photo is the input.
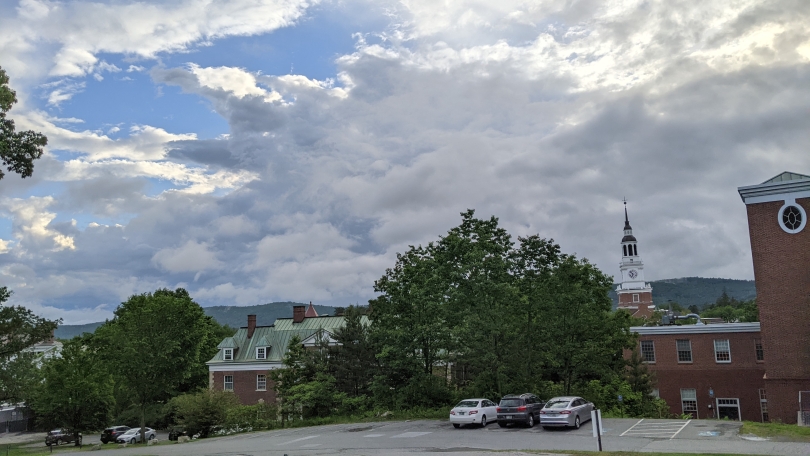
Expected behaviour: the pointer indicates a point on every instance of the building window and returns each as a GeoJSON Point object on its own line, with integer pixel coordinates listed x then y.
{"type": "Point", "coordinates": [792, 218]}
{"type": "Point", "coordinates": [228, 383]}
{"type": "Point", "coordinates": [261, 382]}
{"type": "Point", "coordinates": [684, 351]}
{"type": "Point", "coordinates": [261, 353]}
{"type": "Point", "coordinates": [635, 250]}
{"type": "Point", "coordinates": [689, 401]}
{"type": "Point", "coordinates": [655, 393]}
{"type": "Point", "coordinates": [722, 351]}
{"type": "Point", "coordinates": [763, 406]}
{"type": "Point", "coordinates": [635, 297]}
{"type": "Point", "coordinates": [759, 349]}
{"type": "Point", "coordinates": [624, 248]}
{"type": "Point", "coordinates": [227, 354]}
{"type": "Point", "coordinates": [648, 351]}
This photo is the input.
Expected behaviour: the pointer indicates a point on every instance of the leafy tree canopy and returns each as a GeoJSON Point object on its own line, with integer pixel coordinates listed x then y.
{"type": "Point", "coordinates": [18, 149]}
{"type": "Point", "coordinates": [19, 329]}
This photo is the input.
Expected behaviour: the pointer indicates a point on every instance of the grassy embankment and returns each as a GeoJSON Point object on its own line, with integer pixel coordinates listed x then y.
{"type": "Point", "coordinates": [777, 431]}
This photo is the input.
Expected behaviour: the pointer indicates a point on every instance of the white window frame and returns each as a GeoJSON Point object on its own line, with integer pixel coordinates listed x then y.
{"type": "Point", "coordinates": [719, 351]}
{"type": "Point", "coordinates": [225, 382]}
{"type": "Point", "coordinates": [690, 396]}
{"type": "Point", "coordinates": [729, 402]}
{"type": "Point", "coordinates": [636, 297]}
{"type": "Point", "coordinates": [262, 351]}
{"type": "Point", "coordinates": [227, 354]}
{"type": "Point", "coordinates": [678, 351]}
{"type": "Point", "coordinates": [261, 382]}
{"type": "Point", "coordinates": [763, 406]}
{"type": "Point", "coordinates": [641, 347]}
{"type": "Point", "coordinates": [759, 350]}
{"type": "Point", "coordinates": [655, 393]}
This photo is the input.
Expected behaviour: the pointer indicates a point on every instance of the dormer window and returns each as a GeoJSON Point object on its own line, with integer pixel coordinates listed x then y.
{"type": "Point", "coordinates": [261, 352]}
{"type": "Point", "coordinates": [227, 354]}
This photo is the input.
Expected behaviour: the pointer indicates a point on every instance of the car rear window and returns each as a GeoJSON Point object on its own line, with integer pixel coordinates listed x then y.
{"type": "Point", "coordinates": [467, 404]}
{"type": "Point", "coordinates": [511, 402]}
{"type": "Point", "coordinates": [557, 404]}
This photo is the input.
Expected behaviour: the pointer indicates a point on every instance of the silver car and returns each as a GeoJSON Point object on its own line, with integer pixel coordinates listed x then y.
{"type": "Point", "coordinates": [134, 435]}
{"type": "Point", "coordinates": [569, 411]}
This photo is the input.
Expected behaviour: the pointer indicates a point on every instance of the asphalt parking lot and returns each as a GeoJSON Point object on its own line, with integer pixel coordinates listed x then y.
{"type": "Point", "coordinates": [424, 437]}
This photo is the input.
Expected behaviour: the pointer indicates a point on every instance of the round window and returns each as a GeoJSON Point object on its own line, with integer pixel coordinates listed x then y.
{"type": "Point", "coordinates": [792, 218]}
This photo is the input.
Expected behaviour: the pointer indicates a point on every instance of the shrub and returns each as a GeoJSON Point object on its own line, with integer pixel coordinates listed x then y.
{"type": "Point", "coordinates": [201, 412]}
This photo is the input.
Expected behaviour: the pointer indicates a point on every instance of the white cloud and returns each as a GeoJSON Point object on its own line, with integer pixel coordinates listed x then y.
{"type": "Point", "coordinates": [31, 223]}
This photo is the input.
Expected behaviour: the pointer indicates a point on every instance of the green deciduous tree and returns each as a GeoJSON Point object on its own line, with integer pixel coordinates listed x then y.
{"type": "Point", "coordinates": [77, 390]}
{"type": "Point", "coordinates": [18, 149]}
{"type": "Point", "coordinates": [19, 329]}
{"type": "Point", "coordinates": [156, 346]}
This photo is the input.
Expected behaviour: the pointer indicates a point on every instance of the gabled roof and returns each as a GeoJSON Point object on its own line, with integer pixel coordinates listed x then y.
{"type": "Point", "coordinates": [786, 176]}
{"type": "Point", "coordinates": [228, 342]}
{"type": "Point", "coordinates": [311, 312]}
{"type": "Point", "coordinates": [277, 337]}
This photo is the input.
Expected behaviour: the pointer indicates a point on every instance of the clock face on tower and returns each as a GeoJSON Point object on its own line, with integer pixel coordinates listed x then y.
{"type": "Point", "coordinates": [633, 273]}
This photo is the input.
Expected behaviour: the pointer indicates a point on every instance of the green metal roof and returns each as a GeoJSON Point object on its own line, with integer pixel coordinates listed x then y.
{"type": "Point", "coordinates": [277, 337]}
{"type": "Point", "coordinates": [786, 176]}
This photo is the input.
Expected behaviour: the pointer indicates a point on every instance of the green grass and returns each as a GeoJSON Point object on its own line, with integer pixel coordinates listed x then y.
{"type": "Point", "coordinates": [777, 431]}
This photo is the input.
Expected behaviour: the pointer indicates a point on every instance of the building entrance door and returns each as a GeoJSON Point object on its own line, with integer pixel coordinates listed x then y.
{"type": "Point", "coordinates": [728, 409]}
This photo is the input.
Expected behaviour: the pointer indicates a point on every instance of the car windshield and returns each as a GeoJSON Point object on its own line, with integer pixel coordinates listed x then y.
{"type": "Point", "coordinates": [56, 431]}
{"type": "Point", "coordinates": [131, 431]}
{"type": "Point", "coordinates": [467, 404]}
{"type": "Point", "coordinates": [511, 402]}
{"type": "Point", "coordinates": [557, 404]}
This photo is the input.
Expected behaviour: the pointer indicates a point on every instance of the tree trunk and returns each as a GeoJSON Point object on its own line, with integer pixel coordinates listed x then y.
{"type": "Point", "coordinates": [143, 423]}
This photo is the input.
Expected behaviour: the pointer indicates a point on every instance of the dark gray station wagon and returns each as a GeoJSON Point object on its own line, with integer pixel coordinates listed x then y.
{"type": "Point", "coordinates": [522, 409]}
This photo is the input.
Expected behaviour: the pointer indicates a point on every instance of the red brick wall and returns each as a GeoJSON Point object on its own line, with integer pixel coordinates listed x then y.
{"type": "Point", "coordinates": [782, 274]}
{"type": "Point", "coordinates": [741, 379]}
{"type": "Point", "coordinates": [645, 298]}
{"type": "Point", "coordinates": [244, 385]}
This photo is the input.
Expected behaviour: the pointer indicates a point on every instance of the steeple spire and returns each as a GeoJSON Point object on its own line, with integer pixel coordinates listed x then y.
{"type": "Point", "coordinates": [626, 220]}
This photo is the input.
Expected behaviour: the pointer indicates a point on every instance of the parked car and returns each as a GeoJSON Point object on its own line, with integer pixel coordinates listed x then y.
{"type": "Point", "coordinates": [523, 409]}
{"type": "Point", "coordinates": [474, 411]}
{"type": "Point", "coordinates": [177, 431]}
{"type": "Point", "coordinates": [568, 411]}
{"type": "Point", "coordinates": [59, 436]}
{"type": "Point", "coordinates": [134, 435]}
{"type": "Point", "coordinates": [111, 433]}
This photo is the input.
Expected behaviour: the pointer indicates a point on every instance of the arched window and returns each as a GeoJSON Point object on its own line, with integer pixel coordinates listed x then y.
{"type": "Point", "coordinates": [635, 250]}
{"type": "Point", "coordinates": [624, 248]}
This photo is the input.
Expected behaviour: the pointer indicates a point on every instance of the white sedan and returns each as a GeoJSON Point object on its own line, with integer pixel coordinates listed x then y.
{"type": "Point", "coordinates": [474, 411]}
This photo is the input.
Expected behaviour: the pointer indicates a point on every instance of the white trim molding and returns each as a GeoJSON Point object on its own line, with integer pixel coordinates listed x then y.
{"type": "Point", "coordinates": [718, 328]}
{"type": "Point", "coordinates": [234, 367]}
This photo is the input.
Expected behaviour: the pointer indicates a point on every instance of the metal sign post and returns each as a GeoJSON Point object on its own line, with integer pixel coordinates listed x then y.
{"type": "Point", "coordinates": [596, 419]}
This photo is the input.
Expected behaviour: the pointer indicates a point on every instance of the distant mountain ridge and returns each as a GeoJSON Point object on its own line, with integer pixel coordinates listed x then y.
{"type": "Point", "coordinates": [233, 316]}
{"type": "Point", "coordinates": [698, 291]}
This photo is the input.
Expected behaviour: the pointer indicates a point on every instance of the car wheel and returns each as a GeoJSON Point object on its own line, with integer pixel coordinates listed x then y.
{"type": "Point", "coordinates": [456, 425]}
{"type": "Point", "coordinates": [152, 437]}
{"type": "Point", "coordinates": [530, 422]}
{"type": "Point", "coordinates": [501, 424]}
{"type": "Point", "coordinates": [576, 422]}
{"type": "Point", "coordinates": [484, 421]}
{"type": "Point", "coordinates": [80, 441]}
{"type": "Point", "coordinates": [132, 442]}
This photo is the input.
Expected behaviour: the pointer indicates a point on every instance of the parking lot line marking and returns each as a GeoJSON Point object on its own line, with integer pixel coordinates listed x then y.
{"type": "Point", "coordinates": [681, 429]}
{"type": "Point", "coordinates": [298, 440]}
{"type": "Point", "coordinates": [631, 427]}
{"type": "Point", "coordinates": [374, 435]}
{"type": "Point", "coordinates": [409, 434]}
{"type": "Point", "coordinates": [311, 445]}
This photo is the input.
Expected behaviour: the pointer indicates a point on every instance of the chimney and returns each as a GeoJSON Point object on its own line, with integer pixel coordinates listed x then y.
{"type": "Point", "coordinates": [251, 325]}
{"type": "Point", "coordinates": [299, 313]}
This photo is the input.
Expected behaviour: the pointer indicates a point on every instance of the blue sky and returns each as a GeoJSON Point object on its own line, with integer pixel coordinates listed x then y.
{"type": "Point", "coordinates": [258, 151]}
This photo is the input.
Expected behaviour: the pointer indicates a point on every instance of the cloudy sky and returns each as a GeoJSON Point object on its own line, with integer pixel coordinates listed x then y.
{"type": "Point", "coordinates": [263, 150]}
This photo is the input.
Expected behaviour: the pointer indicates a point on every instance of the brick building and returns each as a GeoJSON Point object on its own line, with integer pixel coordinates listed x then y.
{"type": "Point", "coordinates": [708, 371]}
{"type": "Point", "coordinates": [635, 295]}
{"type": "Point", "coordinates": [780, 249]}
{"type": "Point", "coordinates": [244, 361]}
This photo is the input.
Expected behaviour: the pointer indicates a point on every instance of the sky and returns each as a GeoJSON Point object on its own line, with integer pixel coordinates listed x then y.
{"type": "Point", "coordinates": [254, 151]}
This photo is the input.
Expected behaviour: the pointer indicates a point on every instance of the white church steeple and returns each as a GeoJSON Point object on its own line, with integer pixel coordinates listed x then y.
{"type": "Point", "coordinates": [634, 293]}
